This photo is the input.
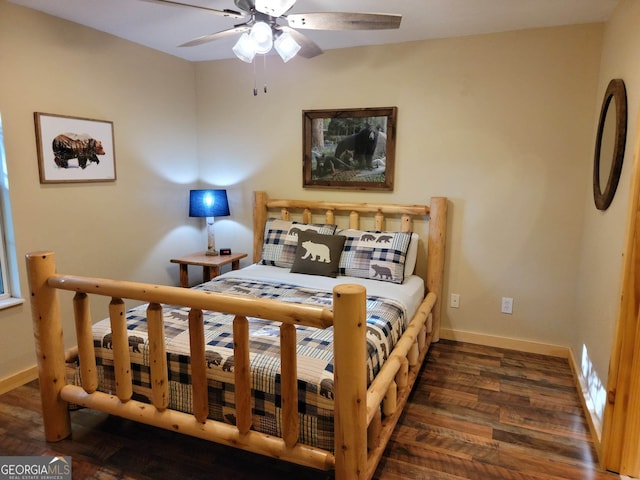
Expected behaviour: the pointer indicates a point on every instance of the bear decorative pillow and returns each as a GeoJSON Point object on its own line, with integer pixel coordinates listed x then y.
{"type": "Point", "coordinates": [281, 240]}
{"type": "Point", "coordinates": [318, 254]}
{"type": "Point", "coordinates": [374, 255]}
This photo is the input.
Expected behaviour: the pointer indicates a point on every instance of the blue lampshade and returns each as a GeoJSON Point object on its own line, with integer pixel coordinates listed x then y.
{"type": "Point", "coordinates": [208, 203]}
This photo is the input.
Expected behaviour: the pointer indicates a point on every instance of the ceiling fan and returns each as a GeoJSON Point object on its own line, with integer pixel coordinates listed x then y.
{"type": "Point", "coordinates": [267, 25]}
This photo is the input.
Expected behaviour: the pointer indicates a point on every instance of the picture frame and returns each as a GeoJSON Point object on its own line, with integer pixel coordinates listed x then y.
{"type": "Point", "coordinates": [349, 148]}
{"type": "Point", "coordinates": [74, 149]}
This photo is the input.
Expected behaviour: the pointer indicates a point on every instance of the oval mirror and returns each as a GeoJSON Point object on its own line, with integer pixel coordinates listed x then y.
{"type": "Point", "coordinates": [610, 143]}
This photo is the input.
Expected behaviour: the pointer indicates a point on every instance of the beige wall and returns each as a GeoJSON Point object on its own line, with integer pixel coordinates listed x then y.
{"type": "Point", "coordinates": [603, 236]}
{"type": "Point", "coordinates": [501, 124]}
{"type": "Point", "coordinates": [129, 228]}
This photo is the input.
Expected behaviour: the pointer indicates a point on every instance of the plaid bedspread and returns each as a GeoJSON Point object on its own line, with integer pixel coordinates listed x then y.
{"type": "Point", "coordinates": [386, 321]}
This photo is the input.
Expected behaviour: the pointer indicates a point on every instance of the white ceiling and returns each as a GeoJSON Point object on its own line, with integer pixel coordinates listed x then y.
{"type": "Point", "coordinates": [163, 27]}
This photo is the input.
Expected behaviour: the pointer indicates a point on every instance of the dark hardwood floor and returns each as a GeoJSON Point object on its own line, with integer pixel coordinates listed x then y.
{"type": "Point", "coordinates": [476, 413]}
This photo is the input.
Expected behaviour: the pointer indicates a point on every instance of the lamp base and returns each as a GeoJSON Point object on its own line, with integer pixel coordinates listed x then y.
{"type": "Point", "coordinates": [211, 253]}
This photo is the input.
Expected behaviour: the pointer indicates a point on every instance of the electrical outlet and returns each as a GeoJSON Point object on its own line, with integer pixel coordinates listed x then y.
{"type": "Point", "coordinates": [454, 302]}
{"type": "Point", "coordinates": [507, 305]}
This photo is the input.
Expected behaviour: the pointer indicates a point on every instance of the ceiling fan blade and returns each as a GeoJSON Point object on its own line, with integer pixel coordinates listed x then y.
{"type": "Point", "coordinates": [344, 21]}
{"type": "Point", "coordinates": [308, 48]}
{"type": "Point", "coordinates": [224, 13]}
{"type": "Point", "coordinates": [216, 36]}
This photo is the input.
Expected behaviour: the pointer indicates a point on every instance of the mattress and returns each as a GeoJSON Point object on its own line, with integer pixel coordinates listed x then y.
{"type": "Point", "coordinates": [389, 309]}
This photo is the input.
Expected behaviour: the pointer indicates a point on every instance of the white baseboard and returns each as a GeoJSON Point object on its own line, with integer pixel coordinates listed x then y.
{"type": "Point", "coordinates": [18, 379]}
{"type": "Point", "coordinates": [505, 342]}
{"type": "Point", "coordinates": [595, 425]}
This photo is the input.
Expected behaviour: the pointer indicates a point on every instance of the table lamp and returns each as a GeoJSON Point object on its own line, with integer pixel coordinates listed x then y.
{"type": "Point", "coordinates": [209, 204]}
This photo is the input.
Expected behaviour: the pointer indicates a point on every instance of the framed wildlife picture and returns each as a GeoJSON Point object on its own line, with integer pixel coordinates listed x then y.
{"type": "Point", "coordinates": [349, 148]}
{"type": "Point", "coordinates": [73, 149]}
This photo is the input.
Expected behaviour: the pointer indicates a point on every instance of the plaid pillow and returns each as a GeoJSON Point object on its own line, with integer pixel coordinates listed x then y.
{"type": "Point", "coordinates": [281, 240]}
{"type": "Point", "coordinates": [374, 255]}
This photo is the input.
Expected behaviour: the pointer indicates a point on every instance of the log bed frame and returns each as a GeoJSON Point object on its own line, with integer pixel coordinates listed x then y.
{"type": "Point", "coordinates": [364, 418]}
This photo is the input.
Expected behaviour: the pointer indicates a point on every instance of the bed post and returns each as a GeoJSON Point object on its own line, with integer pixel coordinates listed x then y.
{"type": "Point", "coordinates": [259, 221]}
{"type": "Point", "coordinates": [350, 381]}
{"type": "Point", "coordinates": [47, 328]}
{"type": "Point", "coordinates": [435, 257]}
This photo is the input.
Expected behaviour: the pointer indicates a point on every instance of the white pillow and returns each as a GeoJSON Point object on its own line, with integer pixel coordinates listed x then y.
{"type": "Point", "coordinates": [412, 256]}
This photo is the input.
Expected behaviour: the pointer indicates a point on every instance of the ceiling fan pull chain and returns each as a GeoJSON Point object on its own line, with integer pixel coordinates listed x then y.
{"type": "Point", "coordinates": [255, 89]}
{"type": "Point", "coordinates": [265, 72]}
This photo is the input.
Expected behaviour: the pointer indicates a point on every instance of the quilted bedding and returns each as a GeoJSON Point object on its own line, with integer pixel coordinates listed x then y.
{"type": "Point", "coordinates": [386, 321]}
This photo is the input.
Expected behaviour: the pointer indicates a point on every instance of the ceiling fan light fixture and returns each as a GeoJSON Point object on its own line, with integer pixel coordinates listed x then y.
{"type": "Point", "coordinates": [274, 8]}
{"type": "Point", "coordinates": [244, 48]}
{"type": "Point", "coordinates": [286, 46]}
{"type": "Point", "coordinates": [262, 37]}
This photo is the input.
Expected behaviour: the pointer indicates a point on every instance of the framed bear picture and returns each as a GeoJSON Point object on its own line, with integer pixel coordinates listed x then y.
{"type": "Point", "coordinates": [74, 149]}
{"type": "Point", "coordinates": [349, 148]}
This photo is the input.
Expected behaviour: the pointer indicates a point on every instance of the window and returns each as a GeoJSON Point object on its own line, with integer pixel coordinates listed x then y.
{"type": "Point", "coordinates": [9, 284]}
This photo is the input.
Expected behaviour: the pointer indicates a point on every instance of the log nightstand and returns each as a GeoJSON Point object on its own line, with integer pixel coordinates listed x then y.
{"type": "Point", "coordinates": [210, 265]}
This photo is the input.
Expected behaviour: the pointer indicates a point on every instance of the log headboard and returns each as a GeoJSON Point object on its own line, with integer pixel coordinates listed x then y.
{"type": "Point", "coordinates": [364, 417]}
{"type": "Point", "coordinates": [352, 214]}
